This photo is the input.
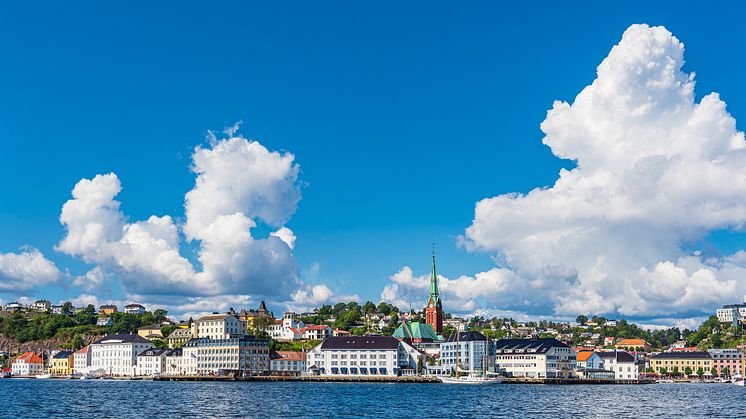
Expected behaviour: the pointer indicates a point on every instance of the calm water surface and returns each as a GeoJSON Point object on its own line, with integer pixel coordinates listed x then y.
{"type": "Point", "coordinates": [141, 399]}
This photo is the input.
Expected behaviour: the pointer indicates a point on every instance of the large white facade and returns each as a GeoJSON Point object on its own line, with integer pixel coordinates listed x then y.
{"type": "Point", "coordinates": [219, 326]}
{"type": "Point", "coordinates": [363, 356]}
{"type": "Point", "coordinates": [245, 355]}
{"type": "Point", "coordinates": [536, 358]}
{"type": "Point", "coordinates": [117, 354]}
{"type": "Point", "coordinates": [27, 364]}
{"type": "Point", "coordinates": [287, 328]}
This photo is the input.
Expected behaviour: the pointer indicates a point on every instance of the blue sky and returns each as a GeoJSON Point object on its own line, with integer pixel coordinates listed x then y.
{"type": "Point", "coordinates": [401, 116]}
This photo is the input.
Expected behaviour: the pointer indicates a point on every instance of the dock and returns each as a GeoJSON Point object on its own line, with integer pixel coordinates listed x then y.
{"type": "Point", "coordinates": [407, 379]}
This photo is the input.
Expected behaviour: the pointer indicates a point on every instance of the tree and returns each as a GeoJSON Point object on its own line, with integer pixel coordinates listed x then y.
{"type": "Point", "coordinates": [167, 330]}
{"type": "Point", "coordinates": [419, 365]}
{"type": "Point", "coordinates": [664, 370]}
{"type": "Point", "coordinates": [261, 326]}
{"type": "Point", "coordinates": [700, 372]}
{"type": "Point", "coordinates": [725, 372]}
{"type": "Point", "coordinates": [77, 342]}
{"type": "Point", "coordinates": [159, 315]}
{"type": "Point", "coordinates": [582, 320]}
{"type": "Point", "coordinates": [714, 371]}
{"type": "Point", "coordinates": [369, 307]}
{"type": "Point", "coordinates": [675, 371]}
{"type": "Point", "coordinates": [67, 308]}
{"type": "Point", "coordinates": [688, 371]}
{"type": "Point", "coordinates": [159, 343]}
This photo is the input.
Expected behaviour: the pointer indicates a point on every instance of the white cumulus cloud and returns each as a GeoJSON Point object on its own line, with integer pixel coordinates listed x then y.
{"type": "Point", "coordinates": [26, 270]}
{"type": "Point", "coordinates": [655, 170]}
{"type": "Point", "coordinates": [239, 183]}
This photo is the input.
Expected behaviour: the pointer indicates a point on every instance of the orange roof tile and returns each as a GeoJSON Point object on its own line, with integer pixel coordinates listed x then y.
{"type": "Point", "coordinates": [629, 342]}
{"type": "Point", "coordinates": [583, 356]}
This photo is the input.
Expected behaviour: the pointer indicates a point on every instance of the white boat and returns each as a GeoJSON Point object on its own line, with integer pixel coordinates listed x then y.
{"type": "Point", "coordinates": [44, 376]}
{"type": "Point", "coordinates": [664, 381]}
{"type": "Point", "coordinates": [470, 379]}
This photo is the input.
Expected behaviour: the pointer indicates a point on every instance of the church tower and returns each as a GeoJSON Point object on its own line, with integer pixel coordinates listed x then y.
{"type": "Point", "coordinates": [434, 309]}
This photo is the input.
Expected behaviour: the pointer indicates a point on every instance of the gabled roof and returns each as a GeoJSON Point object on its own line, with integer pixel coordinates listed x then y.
{"type": "Point", "coordinates": [30, 358]}
{"type": "Point", "coordinates": [414, 330]}
{"type": "Point", "coordinates": [584, 355]}
{"type": "Point", "coordinates": [134, 305]}
{"type": "Point", "coordinates": [360, 342]}
{"type": "Point", "coordinates": [121, 339]}
{"type": "Point", "coordinates": [632, 342]}
{"type": "Point", "coordinates": [62, 354]}
{"type": "Point", "coordinates": [287, 355]}
{"type": "Point", "coordinates": [316, 327]}
{"type": "Point", "coordinates": [151, 327]}
{"type": "Point", "coordinates": [153, 352]}
{"type": "Point", "coordinates": [619, 356]}
{"type": "Point", "coordinates": [214, 317]}
{"type": "Point", "coordinates": [83, 350]}
{"type": "Point", "coordinates": [175, 352]}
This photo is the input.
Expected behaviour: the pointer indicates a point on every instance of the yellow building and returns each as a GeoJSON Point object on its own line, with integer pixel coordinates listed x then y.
{"type": "Point", "coordinates": [668, 362]}
{"type": "Point", "coordinates": [150, 332]}
{"type": "Point", "coordinates": [61, 363]}
{"type": "Point", "coordinates": [248, 317]}
{"type": "Point", "coordinates": [105, 310]}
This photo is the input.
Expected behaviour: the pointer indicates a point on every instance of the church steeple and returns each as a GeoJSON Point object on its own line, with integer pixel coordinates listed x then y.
{"type": "Point", "coordinates": [434, 309]}
{"type": "Point", "coordinates": [434, 297]}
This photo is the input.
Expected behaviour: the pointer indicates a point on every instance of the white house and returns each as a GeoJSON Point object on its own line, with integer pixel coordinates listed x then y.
{"type": "Point", "coordinates": [363, 356]}
{"type": "Point", "coordinates": [535, 357]}
{"type": "Point", "coordinates": [134, 309]}
{"type": "Point", "coordinates": [117, 354]}
{"type": "Point", "coordinates": [732, 313]}
{"type": "Point", "coordinates": [287, 328]}
{"type": "Point", "coordinates": [590, 360]}
{"type": "Point", "coordinates": [104, 321]}
{"type": "Point", "coordinates": [42, 305]}
{"type": "Point", "coordinates": [287, 362]}
{"type": "Point", "coordinates": [14, 306]}
{"type": "Point", "coordinates": [622, 363]}
{"type": "Point", "coordinates": [218, 326]}
{"type": "Point", "coordinates": [178, 364]}
{"type": "Point", "coordinates": [151, 362]}
{"type": "Point", "coordinates": [30, 363]}
{"type": "Point", "coordinates": [317, 332]}
{"type": "Point", "coordinates": [82, 361]}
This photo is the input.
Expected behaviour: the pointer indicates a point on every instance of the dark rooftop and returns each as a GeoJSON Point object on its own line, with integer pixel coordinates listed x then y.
{"type": "Point", "coordinates": [537, 345]}
{"type": "Point", "coordinates": [682, 355]}
{"type": "Point", "coordinates": [360, 342]}
{"type": "Point", "coordinates": [621, 356]}
{"type": "Point", "coordinates": [467, 337]}
{"type": "Point", "coordinates": [152, 352]}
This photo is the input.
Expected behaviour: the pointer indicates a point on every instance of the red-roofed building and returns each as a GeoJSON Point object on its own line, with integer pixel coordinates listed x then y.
{"type": "Point", "coordinates": [287, 362]}
{"type": "Point", "coordinates": [30, 363]}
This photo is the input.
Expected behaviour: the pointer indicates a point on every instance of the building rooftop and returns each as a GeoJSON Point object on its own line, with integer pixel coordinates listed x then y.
{"type": "Point", "coordinates": [151, 327]}
{"type": "Point", "coordinates": [82, 350]}
{"type": "Point", "coordinates": [632, 342]}
{"type": "Point", "coordinates": [214, 317]}
{"type": "Point", "coordinates": [121, 339]}
{"type": "Point", "coordinates": [584, 355]}
{"type": "Point", "coordinates": [533, 345]}
{"type": "Point", "coordinates": [360, 342]}
{"type": "Point", "coordinates": [153, 352]}
{"type": "Point", "coordinates": [467, 337]}
{"type": "Point", "coordinates": [62, 354]}
{"type": "Point", "coordinates": [414, 330]}
{"type": "Point", "coordinates": [619, 356]}
{"type": "Point", "coordinates": [287, 355]}
{"type": "Point", "coordinates": [134, 305]}
{"type": "Point", "coordinates": [30, 357]}
{"type": "Point", "coordinates": [682, 355]}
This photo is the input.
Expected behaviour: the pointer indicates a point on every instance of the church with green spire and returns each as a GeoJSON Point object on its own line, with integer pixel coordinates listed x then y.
{"type": "Point", "coordinates": [434, 309]}
{"type": "Point", "coordinates": [432, 329]}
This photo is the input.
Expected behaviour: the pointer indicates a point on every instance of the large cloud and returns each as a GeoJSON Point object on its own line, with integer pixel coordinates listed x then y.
{"type": "Point", "coordinates": [239, 183]}
{"type": "Point", "coordinates": [26, 270]}
{"type": "Point", "coordinates": [655, 170]}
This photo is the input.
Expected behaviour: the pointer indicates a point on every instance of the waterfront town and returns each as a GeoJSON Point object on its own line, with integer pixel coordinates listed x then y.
{"type": "Point", "coordinates": [368, 342]}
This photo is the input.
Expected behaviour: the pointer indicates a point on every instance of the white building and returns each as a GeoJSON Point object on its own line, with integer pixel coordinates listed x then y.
{"type": "Point", "coordinates": [57, 310]}
{"type": "Point", "coordinates": [245, 355]}
{"type": "Point", "coordinates": [134, 309]}
{"type": "Point", "coordinates": [82, 361]}
{"type": "Point", "coordinates": [30, 363]}
{"type": "Point", "coordinates": [104, 321]}
{"type": "Point", "coordinates": [178, 364]}
{"type": "Point", "coordinates": [473, 352]}
{"type": "Point", "coordinates": [218, 326]}
{"type": "Point", "coordinates": [287, 328]}
{"type": "Point", "coordinates": [14, 306]}
{"type": "Point", "coordinates": [732, 313]}
{"type": "Point", "coordinates": [117, 354]}
{"type": "Point", "coordinates": [42, 305]}
{"type": "Point", "coordinates": [317, 332]}
{"type": "Point", "coordinates": [622, 363]}
{"type": "Point", "coordinates": [287, 362]}
{"type": "Point", "coordinates": [535, 357]}
{"type": "Point", "coordinates": [151, 362]}
{"type": "Point", "coordinates": [363, 356]}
